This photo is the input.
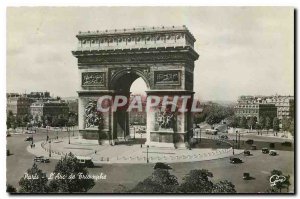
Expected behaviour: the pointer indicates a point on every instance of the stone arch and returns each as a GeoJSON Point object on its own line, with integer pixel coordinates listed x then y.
{"type": "Point", "coordinates": [135, 73]}
{"type": "Point", "coordinates": [110, 68]}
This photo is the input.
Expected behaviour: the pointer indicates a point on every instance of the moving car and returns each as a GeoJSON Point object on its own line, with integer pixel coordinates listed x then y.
{"type": "Point", "coordinates": [86, 161]}
{"type": "Point", "coordinates": [235, 160]}
{"type": "Point", "coordinates": [160, 165]}
{"type": "Point", "coordinates": [265, 150]}
{"type": "Point", "coordinates": [273, 153]}
{"type": "Point", "coordinates": [45, 160]}
{"type": "Point", "coordinates": [246, 176]}
{"type": "Point", "coordinates": [225, 137]}
{"type": "Point", "coordinates": [247, 153]}
{"type": "Point", "coordinates": [28, 139]}
{"type": "Point", "coordinates": [38, 158]}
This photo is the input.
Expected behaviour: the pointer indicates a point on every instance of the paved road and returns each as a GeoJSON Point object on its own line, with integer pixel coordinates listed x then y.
{"type": "Point", "coordinates": [21, 159]}
{"type": "Point", "coordinates": [259, 165]}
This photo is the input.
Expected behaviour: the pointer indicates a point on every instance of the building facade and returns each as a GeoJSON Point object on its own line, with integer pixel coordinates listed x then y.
{"type": "Point", "coordinates": [271, 106]}
{"type": "Point", "coordinates": [255, 110]}
{"type": "Point", "coordinates": [285, 106]}
{"type": "Point", "coordinates": [18, 104]}
{"type": "Point", "coordinates": [49, 109]}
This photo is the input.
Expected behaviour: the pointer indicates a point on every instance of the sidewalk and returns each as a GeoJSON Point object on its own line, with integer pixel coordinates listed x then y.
{"type": "Point", "coordinates": [265, 133]}
{"type": "Point", "coordinates": [132, 154]}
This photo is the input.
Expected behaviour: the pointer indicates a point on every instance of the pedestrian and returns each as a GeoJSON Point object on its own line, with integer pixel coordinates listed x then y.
{"type": "Point", "coordinates": [95, 151]}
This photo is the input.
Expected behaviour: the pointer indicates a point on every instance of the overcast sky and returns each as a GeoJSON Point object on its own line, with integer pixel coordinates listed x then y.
{"type": "Point", "coordinates": [242, 50]}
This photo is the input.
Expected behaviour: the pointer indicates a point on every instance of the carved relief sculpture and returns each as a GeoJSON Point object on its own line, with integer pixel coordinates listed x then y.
{"type": "Point", "coordinates": [167, 77]}
{"type": "Point", "coordinates": [93, 79]}
{"type": "Point", "coordinates": [166, 120]}
{"type": "Point", "coordinates": [92, 117]}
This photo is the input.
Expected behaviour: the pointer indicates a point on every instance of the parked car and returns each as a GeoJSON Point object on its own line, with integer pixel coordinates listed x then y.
{"type": "Point", "coordinates": [45, 160]}
{"type": "Point", "coordinates": [8, 135]}
{"type": "Point", "coordinates": [249, 141]}
{"type": "Point", "coordinates": [273, 153]}
{"type": "Point", "coordinates": [160, 165]}
{"type": "Point", "coordinates": [265, 150]}
{"type": "Point", "coordinates": [247, 153]}
{"type": "Point", "coordinates": [253, 147]}
{"type": "Point", "coordinates": [38, 158]}
{"type": "Point", "coordinates": [225, 137]}
{"type": "Point", "coordinates": [28, 139]}
{"type": "Point", "coordinates": [86, 161]}
{"type": "Point", "coordinates": [235, 160]}
{"type": "Point", "coordinates": [246, 176]}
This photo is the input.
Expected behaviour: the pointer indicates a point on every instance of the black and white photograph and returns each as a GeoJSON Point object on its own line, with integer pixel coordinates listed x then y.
{"type": "Point", "coordinates": [150, 99]}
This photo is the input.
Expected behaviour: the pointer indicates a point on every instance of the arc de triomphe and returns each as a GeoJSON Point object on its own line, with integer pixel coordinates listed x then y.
{"type": "Point", "coordinates": [110, 61]}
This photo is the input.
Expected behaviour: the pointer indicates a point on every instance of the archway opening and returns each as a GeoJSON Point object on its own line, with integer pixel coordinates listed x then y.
{"type": "Point", "coordinates": [138, 119]}
{"type": "Point", "coordinates": [131, 123]}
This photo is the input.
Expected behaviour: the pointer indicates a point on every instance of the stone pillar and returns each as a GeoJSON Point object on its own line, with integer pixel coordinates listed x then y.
{"type": "Point", "coordinates": [165, 128]}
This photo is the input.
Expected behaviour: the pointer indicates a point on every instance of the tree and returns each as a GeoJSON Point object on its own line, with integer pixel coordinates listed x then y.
{"type": "Point", "coordinates": [10, 188]}
{"type": "Point", "coordinates": [233, 121]}
{"type": "Point", "coordinates": [251, 122]}
{"type": "Point", "coordinates": [36, 119]}
{"type": "Point", "coordinates": [262, 122]}
{"type": "Point", "coordinates": [292, 127]}
{"type": "Point", "coordinates": [224, 187]}
{"type": "Point", "coordinates": [197, 181]}
{"type": "Point", "coordinates": [26, 119]}
{"type": "Point", "coordinates": [243, 122]}
{"type": "Point", "coordinates": [213, 113]}
{"type": "Point", "coordinates": [79, 182]}
{"type": "Point", "coordinates": [34, 181]}
{"type": "Point", "coordinates": [9, 120]}
{"type": "Point", "coordinates": [276, 124]}
{"type": "Point", "coordinates": [161, 181]}
{"type": "Point", "coordinates": [268, 123]}
{"type": "Point", "coordinates": [286, 123]}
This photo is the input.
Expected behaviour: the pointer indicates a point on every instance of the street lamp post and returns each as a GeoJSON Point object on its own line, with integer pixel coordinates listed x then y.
{"type": "Point", "coordinates": [56, 134]}
{"type": "Point", "coordinates": [239, 140]}
{"type": "Point", "coordinates": [236, 136]}
{"type": "Point", "coordinates": [147, 154]}
{"type": "Point", "coordinates": [200, 134]}
{"type": "Point", "coordinates": [141, 139]}
{"type": "Point", "coordinates": [32, 135]}
{"type": "Point", "coordinates": [49, 148]}
{"type": "Point", "coordinates": [69, 136]}
{"type": "Point", "coordinates": [233, 148]}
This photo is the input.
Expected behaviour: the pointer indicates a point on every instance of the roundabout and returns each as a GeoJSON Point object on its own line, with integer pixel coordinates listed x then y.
{"type": "Point", "coordinates": [127, 153]}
